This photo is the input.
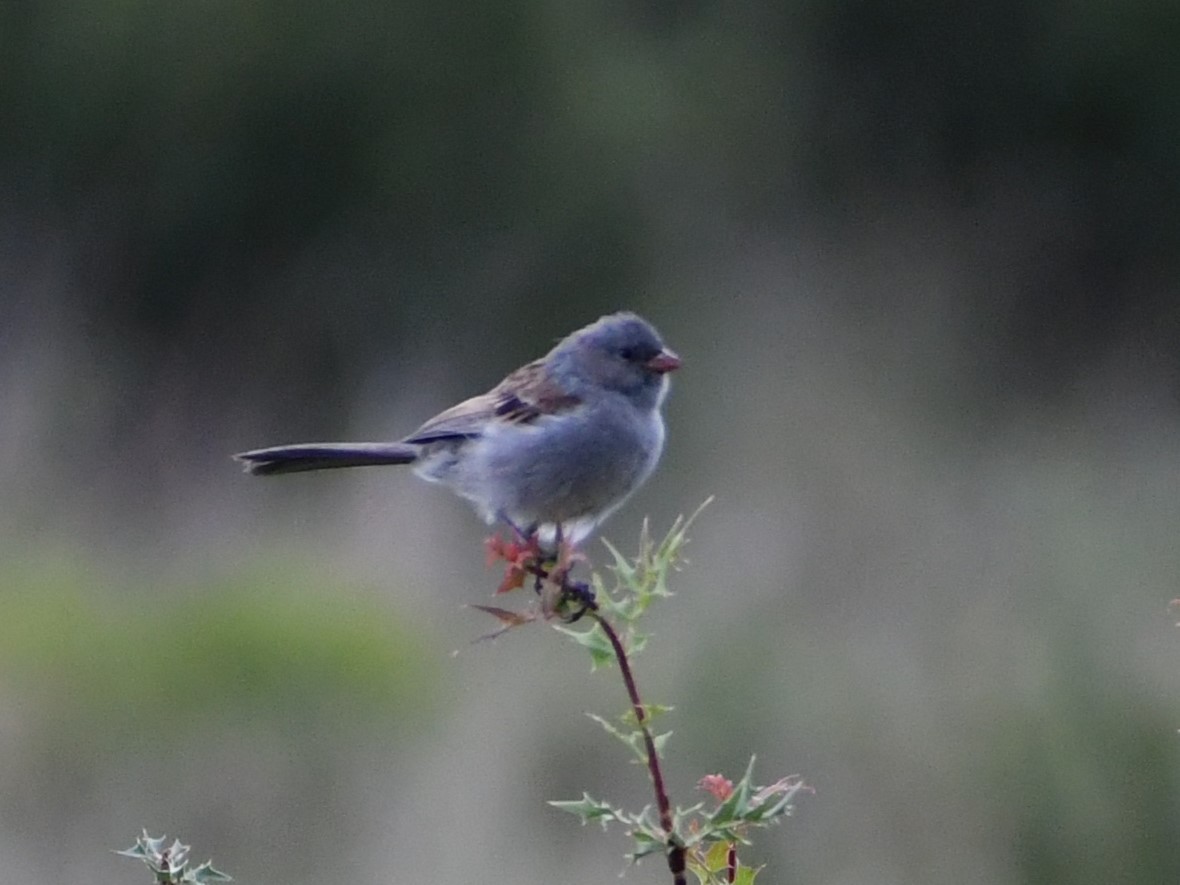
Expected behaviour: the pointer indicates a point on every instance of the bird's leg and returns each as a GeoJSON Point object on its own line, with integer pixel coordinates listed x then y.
{"type": "Point", "coordinates": [542, 562]}
{"type": "Point", "coordinates": [574, 591]}
{"type": "Point", "coordinates": [537, 556]}
{"type": "Point", "coordinates": [525, 557]}
{"type": "Point", "coordinates": [579, 593]}
{"type": "Point", "coordinates": [567, 557]}
{"type": "Point", "coordinates": [523, 536]}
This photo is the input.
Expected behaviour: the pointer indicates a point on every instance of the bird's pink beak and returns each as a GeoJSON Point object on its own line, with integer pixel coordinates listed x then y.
{"type": "Point", "coordinates": [663, 362]}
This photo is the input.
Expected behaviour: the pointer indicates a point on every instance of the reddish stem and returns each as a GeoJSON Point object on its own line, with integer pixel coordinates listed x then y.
{"type": "Point", "coordinates": [674, 850]}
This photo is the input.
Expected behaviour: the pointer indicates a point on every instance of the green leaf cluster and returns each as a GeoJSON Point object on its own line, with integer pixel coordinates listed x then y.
{"type": "Point", "coordinates": [707, 835]}
{"type": "Point", "coordinates": [638, 582]}
{"type": "Point", "coordinates": [632, 738]}
{"type": "Point", "coordinates": [170, 865]}
{"type": "Point", "coordinates": [642, 826]}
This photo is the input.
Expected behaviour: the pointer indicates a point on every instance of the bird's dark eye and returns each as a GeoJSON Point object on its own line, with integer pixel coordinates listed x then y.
{"type": "Point", "coordinates": [637, 353]}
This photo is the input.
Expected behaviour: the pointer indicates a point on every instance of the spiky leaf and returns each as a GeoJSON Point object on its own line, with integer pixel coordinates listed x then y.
{"type": "Point", "coordinates": [588, 809]}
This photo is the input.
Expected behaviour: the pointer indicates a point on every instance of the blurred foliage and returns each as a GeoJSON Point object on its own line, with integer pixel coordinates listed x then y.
{"type": "Point", "coordinates": [170, 863]}
{"type": "Point", "coordinates": [270, 646]}
{"type": "Point", "coordinates": [187, 150]}
{"type": "Point", "coordinates": [248, 707]}
{"type": "Point", "coordinates": [924, 253]}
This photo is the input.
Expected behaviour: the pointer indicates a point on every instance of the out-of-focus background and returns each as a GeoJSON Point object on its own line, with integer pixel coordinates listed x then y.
{"type": "Point", "coordinates": [920, 260]}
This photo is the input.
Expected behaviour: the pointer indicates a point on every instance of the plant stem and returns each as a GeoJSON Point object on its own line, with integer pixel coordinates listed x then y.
{"type": "Point", "coordinates": [572, 590]}
{"type": "Point", "coordinates": [675, 851]}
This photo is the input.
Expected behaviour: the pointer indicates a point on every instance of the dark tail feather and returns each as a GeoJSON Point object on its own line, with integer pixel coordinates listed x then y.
{"type": "Point", "coordinates": [324, 456]}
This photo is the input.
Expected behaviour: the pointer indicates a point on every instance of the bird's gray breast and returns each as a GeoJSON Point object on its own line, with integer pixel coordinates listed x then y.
{"type": "Point", "coordinates": [564, 467]}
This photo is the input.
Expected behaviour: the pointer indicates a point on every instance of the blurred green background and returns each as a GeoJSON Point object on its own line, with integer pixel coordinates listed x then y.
{"type": "Point", "coordinates": [921, 261]}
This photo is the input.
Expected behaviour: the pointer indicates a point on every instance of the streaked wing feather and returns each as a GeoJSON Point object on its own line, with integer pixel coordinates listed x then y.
{"type": "Point", "coordinates": [521, 398]}
{"type": "Point", "coordinates": [528, 393]}
{"type": "Point", "coordinates": [464, 420]}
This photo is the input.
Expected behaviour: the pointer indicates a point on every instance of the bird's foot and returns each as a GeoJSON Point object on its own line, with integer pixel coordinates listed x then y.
{"type": "Point", "coordinates": [580, 598]}
{"type": "Point", "coordinates": [566, 558]}
{"type": "Point", "coordinates": [575, 597]}
{"type": "Point", "coordinates": [526, 557]}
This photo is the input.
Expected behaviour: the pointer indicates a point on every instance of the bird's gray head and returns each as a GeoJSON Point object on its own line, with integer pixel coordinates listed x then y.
{"type": "Point", "coordinates": [621, 352]}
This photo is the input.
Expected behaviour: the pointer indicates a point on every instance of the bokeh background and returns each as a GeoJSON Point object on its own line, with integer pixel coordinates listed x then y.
{"type": "Point", "coordinates": [921, 262]}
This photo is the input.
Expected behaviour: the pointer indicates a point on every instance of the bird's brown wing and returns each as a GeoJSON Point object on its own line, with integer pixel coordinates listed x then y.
{"type": "Point", "coordinates": [462, 421]}
{"type": "Point", "coordinates": [528, 394]}
{"type": "Point", "coordinates": [521, 398]}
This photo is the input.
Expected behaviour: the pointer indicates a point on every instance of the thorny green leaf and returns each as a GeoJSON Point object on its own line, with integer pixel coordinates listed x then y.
{"type": "Point", "coordinates": [588, 809]}
{"type": "Point", "coordinates": [632, 739]}
{"type": "Point", "coordinates": [738, 804]}
{"type": "Point", "coordinates": [650, 713]}
{"type": "Point", "coordinates": [784, 792]}
{"type": "Point", "coordinates": [638, 582]}
{"type": "Point", "coordinates": [622, 566]}
{"type": "Point", "coordinates": [660, 740]}
{"type": "Point", "coordinates": [170, 865]}
{"type": "Point", "coordinates": [646, 842]}
{"type": "Point", "coordinates": [717, 857]}
{"type": "Point", "coordinates": [594, 641]}
{"type": "Point", "coordinates": [206, 873]}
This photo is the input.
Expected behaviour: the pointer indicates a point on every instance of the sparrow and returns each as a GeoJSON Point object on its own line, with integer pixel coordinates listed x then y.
{"type": "Point", "coordinates": [552, 450]}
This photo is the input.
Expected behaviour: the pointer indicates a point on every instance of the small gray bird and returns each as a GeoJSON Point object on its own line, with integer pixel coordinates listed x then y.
{"type": "Point", "coordinates": [552, 450]}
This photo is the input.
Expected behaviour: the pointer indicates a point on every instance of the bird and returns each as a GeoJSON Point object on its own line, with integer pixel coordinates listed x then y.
{"type": "Point", "coordinates": [552, 450]}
